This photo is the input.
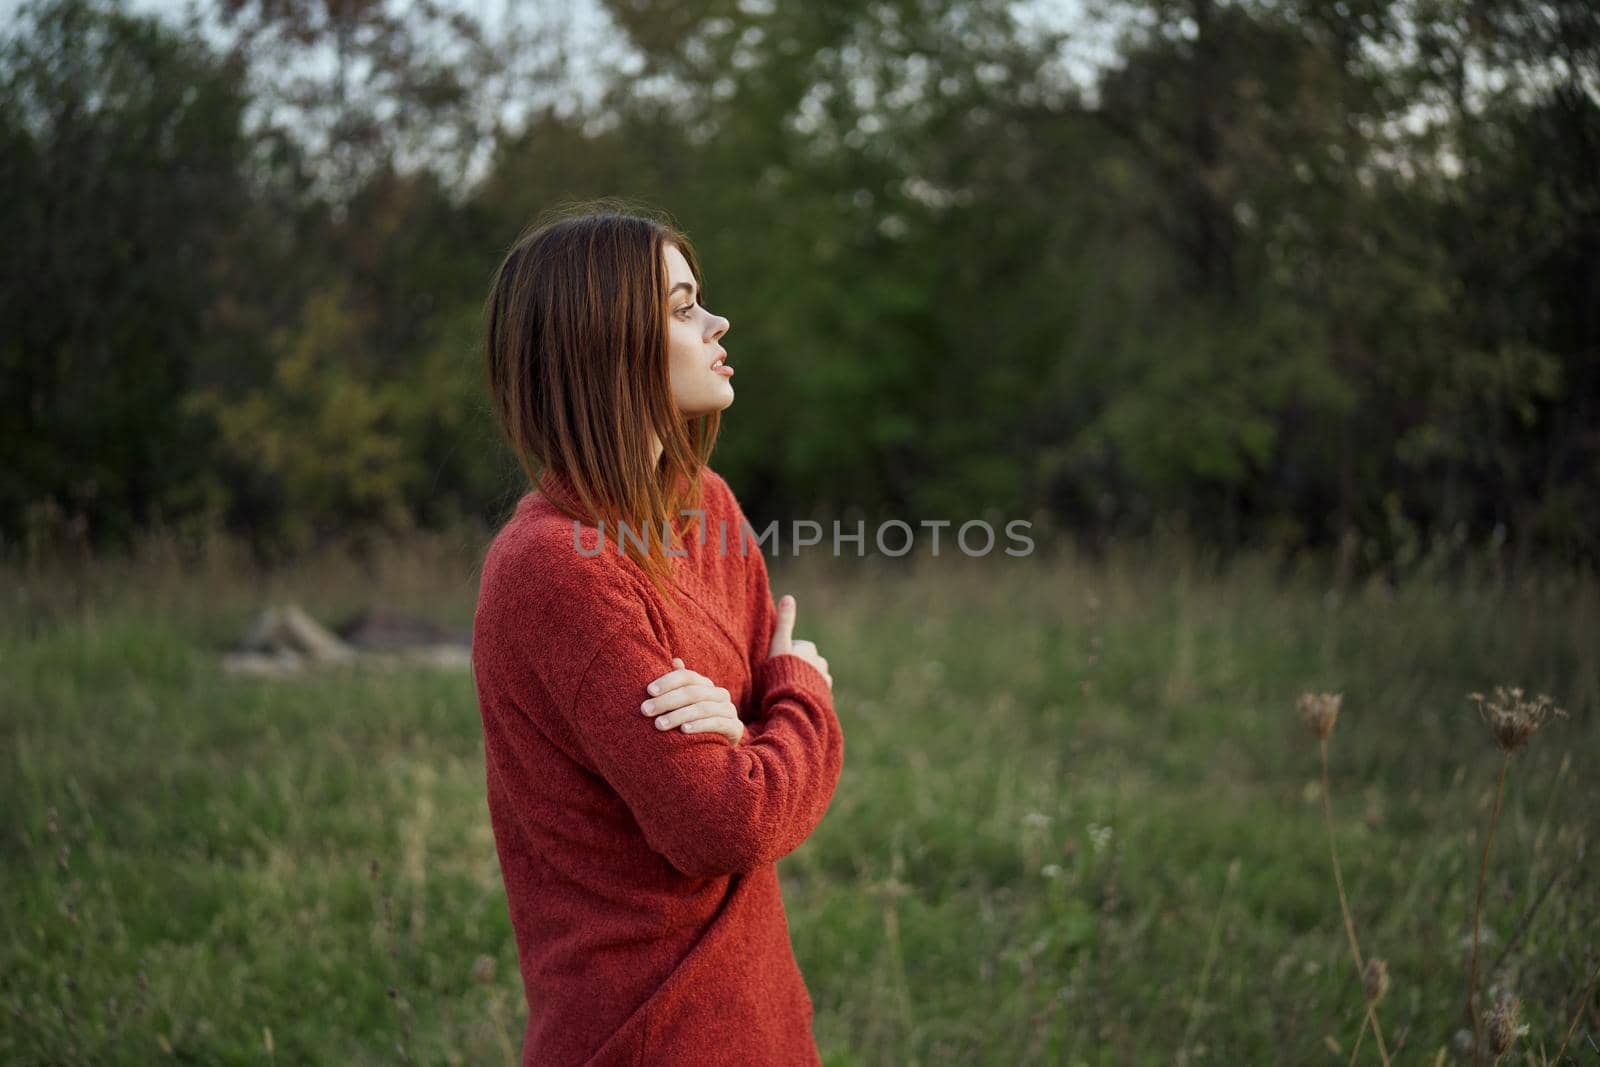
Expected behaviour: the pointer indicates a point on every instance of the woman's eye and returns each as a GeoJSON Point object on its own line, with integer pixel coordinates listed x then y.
{"type": "Point", "coordinates": [683, 312]}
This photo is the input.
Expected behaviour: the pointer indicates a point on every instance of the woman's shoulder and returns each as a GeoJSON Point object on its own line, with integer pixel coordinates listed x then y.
{"type": "Point", "coordinates": [544, 608]}
{"type": "Point", "coordinates": [543, 556]}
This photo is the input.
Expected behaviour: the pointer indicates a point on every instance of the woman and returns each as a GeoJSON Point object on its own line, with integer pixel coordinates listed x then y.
{"type": "Point", "coordinates": [655, 737]}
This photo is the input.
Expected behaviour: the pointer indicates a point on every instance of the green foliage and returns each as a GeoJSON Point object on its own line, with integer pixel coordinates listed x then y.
{"type": "Point", "coordinates": [121, 162]}
{"type": "Point", "coordinates": [1306, 275]}
{"type": "Point", "coordinates": [323, 445]}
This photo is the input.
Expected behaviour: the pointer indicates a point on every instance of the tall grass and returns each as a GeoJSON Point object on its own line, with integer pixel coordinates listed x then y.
{"type": "Point", "coordinates": [1074, 825]}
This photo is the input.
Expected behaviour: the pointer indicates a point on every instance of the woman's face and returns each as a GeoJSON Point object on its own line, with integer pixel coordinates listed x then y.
{"type": "Point", "coordinates": [692, 343]}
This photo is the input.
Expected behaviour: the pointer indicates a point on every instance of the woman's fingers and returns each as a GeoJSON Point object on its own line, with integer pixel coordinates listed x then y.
{"type": "Point", "coordinates": [691, 715]}
{"type": "Point", "coordinates": [688, 699]}
{"type": "Point", "coordinates": [728, 726]}
{"type": "Point", "coordinates": [807, 650]}
{"type": "Point", "coordinates": [674, 679]}
{"type": "Point", "coordinates": [689, 694]}
{"type": "Point", "coordinates": [783, 629]}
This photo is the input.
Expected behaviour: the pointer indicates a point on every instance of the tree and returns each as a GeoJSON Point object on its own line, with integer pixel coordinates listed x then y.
{"type": "Point", "coordinates": [122, 164]}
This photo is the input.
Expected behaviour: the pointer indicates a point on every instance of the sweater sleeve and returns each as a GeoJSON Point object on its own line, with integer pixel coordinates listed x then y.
{"type": "Point", "coordinates": [708, 806]}
{"type": "Point", "coordinates": [769, 673]}
{"type": "Point", "coordinates": [763, 612]}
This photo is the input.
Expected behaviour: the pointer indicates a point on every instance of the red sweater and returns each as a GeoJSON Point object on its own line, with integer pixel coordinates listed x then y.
{"type": "Point", "coordinates": [639, 863]}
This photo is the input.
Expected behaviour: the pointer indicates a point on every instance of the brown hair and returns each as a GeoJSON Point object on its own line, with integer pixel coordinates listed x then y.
{"type": "Point", "coordinates": [576, 354]}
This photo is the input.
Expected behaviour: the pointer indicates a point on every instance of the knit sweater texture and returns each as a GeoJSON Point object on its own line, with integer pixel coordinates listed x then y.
{"type": "Point", "coordinates": [640, 863]}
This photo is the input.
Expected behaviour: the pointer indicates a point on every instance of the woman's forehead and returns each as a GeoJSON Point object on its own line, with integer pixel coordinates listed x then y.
{"type": "Point", "coordinates": [677, 266]}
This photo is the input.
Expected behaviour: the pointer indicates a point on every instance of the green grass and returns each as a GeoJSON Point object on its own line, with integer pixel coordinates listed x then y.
{"type": "Point", "coordinates": [1051, 766]}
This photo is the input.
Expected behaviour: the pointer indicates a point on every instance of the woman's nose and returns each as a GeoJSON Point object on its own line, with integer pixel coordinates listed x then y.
{"type": "Point", "coordinates": [719, 326]}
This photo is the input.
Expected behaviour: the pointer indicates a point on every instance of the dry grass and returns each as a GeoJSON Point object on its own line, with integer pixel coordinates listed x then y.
{"type": "Point", "coordinates": [1066, 832]}
{"type": "Point", "coordinates": [1512, 718]}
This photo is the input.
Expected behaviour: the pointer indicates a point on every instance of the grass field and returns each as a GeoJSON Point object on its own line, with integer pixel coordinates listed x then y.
{"type": "Point", "coordinates": [1079, 820]}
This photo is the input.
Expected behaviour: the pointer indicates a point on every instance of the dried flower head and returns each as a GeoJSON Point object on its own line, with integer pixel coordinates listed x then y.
{"type": "Point", "coordinates": [1513, 717]}
{"type": "Point", "coordinates": [1375, 980]}
{"type": "Point", "coordinates": [1505, 1025]}
{"type": "Point", "coordinates": [483, 970]}
{"type": "Point", "coordinates": [1319, 712]}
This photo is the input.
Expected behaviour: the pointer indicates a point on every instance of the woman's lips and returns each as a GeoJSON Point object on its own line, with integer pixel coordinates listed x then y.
{"type": "Point", "coordinates": [719, 367]}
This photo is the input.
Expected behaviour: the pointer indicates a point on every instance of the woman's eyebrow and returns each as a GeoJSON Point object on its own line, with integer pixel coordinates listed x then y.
{"type": "Point", "coordinates": [681, 285]}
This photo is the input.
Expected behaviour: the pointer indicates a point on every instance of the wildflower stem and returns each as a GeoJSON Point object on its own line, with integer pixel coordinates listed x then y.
{"type": "Point", "coordinates": [1477, 912]}
{"type": "Point", "coordinates": [497, 1015]}
{"type": "Point", "coordinates": [1527, 917]}
{"type": "Point", "coordinates": [1577, 1016]}
{"type": "Point", "coordinates": [1362, 1036]}
{"type": "Point", "coordinates": [1205, 968]}
{"type": "Point", "coordinates": [1344, 908]}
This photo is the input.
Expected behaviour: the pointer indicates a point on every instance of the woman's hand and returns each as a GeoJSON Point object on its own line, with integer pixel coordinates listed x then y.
{"type": "Point", "coordinates": [691, 701]}
{"type": "Point", "coordinates": [783, 640]}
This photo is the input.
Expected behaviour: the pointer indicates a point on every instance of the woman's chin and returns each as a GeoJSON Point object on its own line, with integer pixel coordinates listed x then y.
{"type": "Point", "coordinates": [708, 405]}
